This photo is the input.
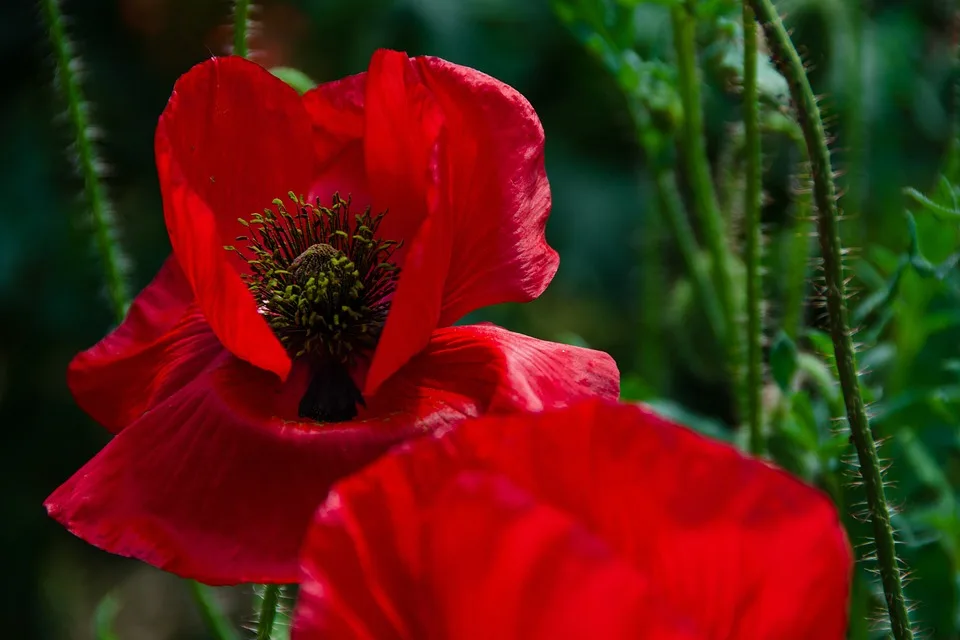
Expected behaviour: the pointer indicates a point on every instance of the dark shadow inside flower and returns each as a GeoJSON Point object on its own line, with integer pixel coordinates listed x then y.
{"type": "Point", "coordinates": [323, 279]}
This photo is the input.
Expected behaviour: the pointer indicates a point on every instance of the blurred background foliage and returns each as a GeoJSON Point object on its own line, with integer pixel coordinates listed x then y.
{"type": "Point", "coordinates": [600, 75]}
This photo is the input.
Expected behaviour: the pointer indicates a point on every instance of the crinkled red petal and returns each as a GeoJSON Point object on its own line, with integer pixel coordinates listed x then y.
{"type": "Point", "coordinates": [219, 480]}
{"type": "Point", "coordinates": [118, 378]}
{"type": "Point", "coordinates": [232, 138]}
{"type": "Point", "coordinates": [336, 113]}
{"type": "Point", "coordinates": [456, 157]}
{"type": "Point", "coordinates": [734, 547]}
{"type": "Point", "coordinates": [494, 187]}
{"type": "Point", "coordinates": [400, 147]}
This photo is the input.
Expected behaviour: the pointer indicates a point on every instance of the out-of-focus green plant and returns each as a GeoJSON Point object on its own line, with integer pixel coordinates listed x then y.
{"type": "Point", "coordinates": [802, 391]}
{"type": "Point", "coordinates": [885, 75]}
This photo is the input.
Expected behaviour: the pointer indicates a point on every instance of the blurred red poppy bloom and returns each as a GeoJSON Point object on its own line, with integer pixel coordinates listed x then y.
{"type": "Point", "coordinates": [276, 352]}
{"type": "Point", "coordinates": [600, 520]}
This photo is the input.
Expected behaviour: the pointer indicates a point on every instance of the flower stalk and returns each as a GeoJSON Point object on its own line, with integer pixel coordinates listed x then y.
{"type": "Point", "coordinates": [269, 601]}
{"type": "Point", "coordinates": [104, 231]}
{"type": "Point", "coordinates": [705, 203]}
{"type": "Point", "coordinates": [672, 209]}
{"type": "Point", "coordinates": [241, 18]}
{"type": "Point", "coordinates": [825, 199]}
{"type": "Point", "coordinates": [270, 594]}
{"type": "Point", "coordinates": [751, 207]}
{"type": "Point", "coordinates": [216, 622]}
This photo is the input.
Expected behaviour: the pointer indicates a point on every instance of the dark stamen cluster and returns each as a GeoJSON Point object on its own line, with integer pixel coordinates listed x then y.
{"type": "Point", "coordinates": [322, 277]}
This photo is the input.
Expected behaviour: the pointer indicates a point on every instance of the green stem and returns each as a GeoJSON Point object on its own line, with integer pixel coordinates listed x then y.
{"type": "Point", "coordinates": [104, 616]}
{"type": "Point", "coordinates": [105, 235]}
{"type": "Point", "coordinates": [797, 260]}
{"type": "Point", "coordinates": [672, 210]}
{"type": "Point", "coordinates": [217, 623]}
{"type": "Point", "coordinates": [751, 207]}
{"type": "Point", "coordinates": [651, 354]}
{"type": "Point", "coordinates": [268, 610]}
{"type": "Point", "coordinates": [825, 198]}
{"type": "Point", "coordinates": [241, 15]}
{"type": "Point", "coordinates": [698, 167]}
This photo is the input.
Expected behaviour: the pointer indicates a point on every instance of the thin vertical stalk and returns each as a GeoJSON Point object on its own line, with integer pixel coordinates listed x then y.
{"type": "Point", "coordinates": [706, 206]}
{"type": "Point", "coordinates": [797, 261]}
{"type": "Point", "coordinates": [270, 599]}
{"type": "Point", "coordinates": [825, 198]}
{"type": "Point", "coordinates": [651, 354]}
{"type": "Point", "coordinates": [672, 210]}
{"type": "Point", "coordinates": [241, 16]}
{"type": "Point", "coordinates": [694, 154]}
{"type": "Point", "coordinates": [105, 235]}
{"type": "Point", "coordinates": [751, 208]}
{"type": "Point", "coordinates": [217, 623]}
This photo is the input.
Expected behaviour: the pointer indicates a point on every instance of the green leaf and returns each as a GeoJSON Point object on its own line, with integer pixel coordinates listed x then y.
{"type": "Point", "coordinates": [783, 361]}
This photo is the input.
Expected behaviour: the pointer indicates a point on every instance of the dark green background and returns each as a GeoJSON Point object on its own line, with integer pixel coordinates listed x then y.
{"type": "Point", "coordinates": [52, 296]}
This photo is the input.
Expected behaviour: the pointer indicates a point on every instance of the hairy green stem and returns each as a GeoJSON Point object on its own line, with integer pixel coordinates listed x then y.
{"type": "Point", "coordinates": [707, 209]}
{"type": "Point", "coordinates": [672, 210]}
{"type": "Point", "coordinates": [269, 600]}
{"type": "Point", "coordinates": [217, 623]}
{"type": "Point", "coordinates": [241, 15]}
{"type": "Point", "coordinates": [751, 207]}
{"type": "Point", "coordinates": [825, 198]}
{"type": "Point", "coordinates": [105, 235]}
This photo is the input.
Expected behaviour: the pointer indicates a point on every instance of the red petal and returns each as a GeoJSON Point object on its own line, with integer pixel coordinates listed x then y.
{"type": "Point", "coordinates": [117, 379]}
{"type": "Point", "coordinates": [232, 138]}
{"type": "Point", "coordinates": [541, 576]}
{"type": "Point", "coordinates": [495, 188]}
{"type": "Point", "coordinates": [387, 120]}
{"type": "Point", "coordinates": [208, 487]}
{"type": "Point", "coordinates": [219, 480]}
{"type": "Point", "coordinates": [402, 128]}
{"type": "Point", "coordinates": [336, 111]}
{"type": "Point", "coordinates": [506, 372]}
{"type": "Point", "coordinates": [457, 159]}
{"type": "Point", "coordinates": [337, 114]}
{"type": "Point", "coordinates": [735, 548]}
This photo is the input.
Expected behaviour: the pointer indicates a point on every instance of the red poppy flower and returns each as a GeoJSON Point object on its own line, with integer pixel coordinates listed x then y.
{"type": "Point", "coordinates": [256, 370]}
{"type": "Point", "coordinates": [600, 520]}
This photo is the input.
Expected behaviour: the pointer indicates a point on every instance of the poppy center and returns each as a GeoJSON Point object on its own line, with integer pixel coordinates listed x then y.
{"type": "Point", "coordinates": [323, 281]}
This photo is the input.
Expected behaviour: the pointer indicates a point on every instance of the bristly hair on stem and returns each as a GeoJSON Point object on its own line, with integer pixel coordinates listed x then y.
{"type": "Point", "coordinates": [88, 164]}
{"type": "Point", "coordinates": [269, 596]}
{"type": "Point", "coordinates": [825, 199]}
{"type": "Point", "coordinates": [751, 207]}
